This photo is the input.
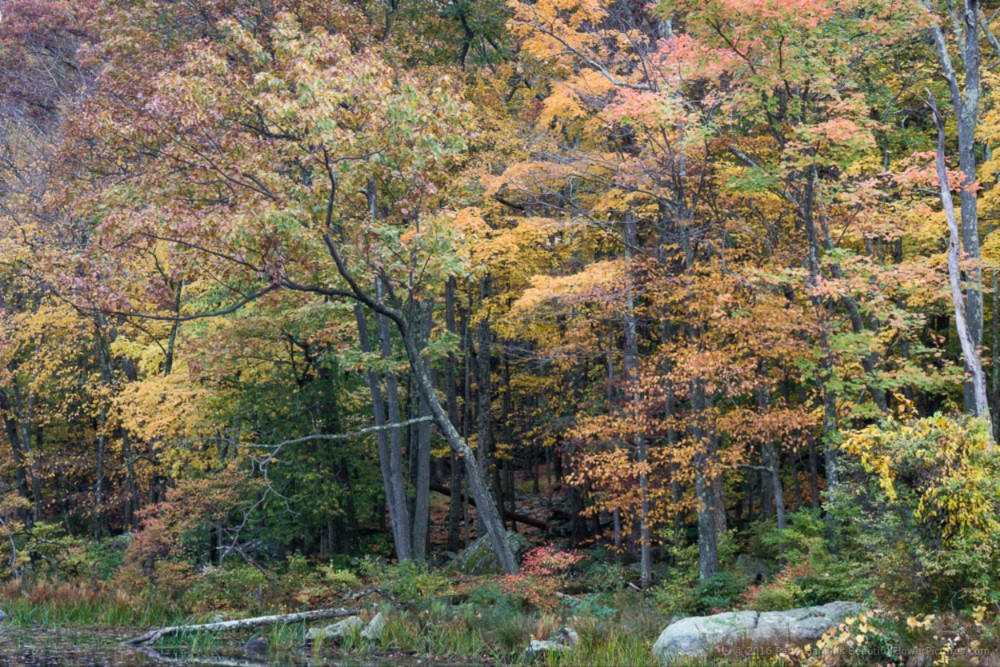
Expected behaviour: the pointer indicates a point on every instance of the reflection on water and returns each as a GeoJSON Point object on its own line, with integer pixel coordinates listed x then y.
{"type": "Point", "coordinates": [39, 647]}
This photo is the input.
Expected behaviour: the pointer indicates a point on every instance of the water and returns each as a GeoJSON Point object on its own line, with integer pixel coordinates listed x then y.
{"type": "Point", "coordinates": [42, 647]}
{"type": "Point", "coordinates": [39, 647]}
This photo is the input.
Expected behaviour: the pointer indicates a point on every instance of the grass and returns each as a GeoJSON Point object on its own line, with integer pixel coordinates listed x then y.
{"type": "Point", "coordinates": [458, 621]}
{"type": "Point", "coordinates": [60, 604]}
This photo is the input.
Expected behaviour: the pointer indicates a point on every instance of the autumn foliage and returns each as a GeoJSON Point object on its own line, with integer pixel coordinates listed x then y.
{"type": "Point", "coordinates": [273, 272]}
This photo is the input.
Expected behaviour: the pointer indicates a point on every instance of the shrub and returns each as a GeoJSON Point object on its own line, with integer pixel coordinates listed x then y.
{"type": "Point", "coordinates": [603, 577]}
{"type": "Point", "coordinates": [408, 581]}
{"type": "Point", "coordinates": [234, 586]}
{"type": "Point", "coordinates": [543, 574]}
{"type": "Point", "coordinates": [812, 575]}
{"type": "Point", "coordinates": [718, 593]}
{"type": "Point", "coordinates": [930, 504]}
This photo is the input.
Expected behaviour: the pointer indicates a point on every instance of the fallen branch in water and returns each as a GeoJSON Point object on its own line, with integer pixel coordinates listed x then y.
{"type": "Point", "coordinates": [240, 624]}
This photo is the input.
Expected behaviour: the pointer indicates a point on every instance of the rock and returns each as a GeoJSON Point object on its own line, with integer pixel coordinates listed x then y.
{"type": "Point", "coordinates": [802, 625]}
{"type": "Point", "coordinates": [753, 569]}
{"type": "Point", "coordinates": [338, 631]}
{"type": "Point", "coordinates": [375, 628]}
{"type": "Point", "coordinates": [255, 646]}
{"type": "Point", "coordinates": [3, 615]}
{"type": "Point", "coordinates": [696, 636]}
{"type": "Point", "coordinates": [563, 640]}
{"type": "Point", "coordinates": [478, 557]}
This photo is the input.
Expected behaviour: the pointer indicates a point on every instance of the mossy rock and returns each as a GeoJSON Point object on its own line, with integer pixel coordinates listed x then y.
{"type": "Point", "coordinates": [479, 558]}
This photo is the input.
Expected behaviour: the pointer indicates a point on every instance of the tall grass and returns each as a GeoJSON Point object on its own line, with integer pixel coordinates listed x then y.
{"type": "Point", "coordinates": [59, 604]}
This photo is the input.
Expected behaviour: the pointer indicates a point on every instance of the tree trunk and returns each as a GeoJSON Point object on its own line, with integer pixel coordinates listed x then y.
{"type": "Point", "coordinates": [980, 402]}
{"type": "Point", "coordinates": [486, 508]}
{"type": "Point", "coordinates": [771, 462]}
{"type": "Point", "coordinates": [966, 108]}
{"type": "Point", "coordinates": [708, 546]}
{"type": "Point", "coordinates": [451, 397]}
{"type": "Point", "coordinates": [240, 624]}
{"type": "Point", "coordinates": [631, 371]}
{"type": "Point", "coordinates": [398, 520]}
{"type": "Point", "coordinates": [422, 479]}
{"type": "Point", "coordinates": [13, 429]}
{"type": "Point", "coordinates": [484, 424]}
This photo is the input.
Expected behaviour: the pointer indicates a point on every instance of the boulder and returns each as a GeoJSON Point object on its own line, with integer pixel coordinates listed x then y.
{"type": "Point", "coordinates": [753, 569]}
{"type": "Point", "coordinates": [563, 640]}
{"type": "Point", "coordinates": [478, 557]}
{"type": "Point", "coordinates": [255, 646]}
{"type": "Point", "coordinates": [802, 625]}
{"type": "Point", "coordinates": [696, 636]}
{"type": "Point", "coordinates": [375, 628]}
{"type": "Point", "coordinates": [338, 631]}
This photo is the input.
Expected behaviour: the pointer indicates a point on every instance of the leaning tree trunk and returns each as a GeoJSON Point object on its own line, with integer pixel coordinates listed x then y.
{"type": "Point", "coordinates": [486, 508]}
{"type": "Point", "coordinates": [966, 108]}
{"type": "Point", "coordinates": [422, 477]}
{"type": "Point", "coordinates": [485, 505]}
{"type": "Point", "coordinates": [980, 403]}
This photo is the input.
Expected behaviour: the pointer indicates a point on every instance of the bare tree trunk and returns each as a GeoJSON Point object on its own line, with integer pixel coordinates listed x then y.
{"type": "Point", "coordinates": [239, 624]}
{"type": "Point", "coordinates": [966, 108]}
{"type": "Point", "coordinates": [980, 403]}
{"type": "Point", "coordinates": [484, 396]}
{"type": "Point", "coordinates": [397, 469]}
{"type": "Point", "coordinates": [486, 507]}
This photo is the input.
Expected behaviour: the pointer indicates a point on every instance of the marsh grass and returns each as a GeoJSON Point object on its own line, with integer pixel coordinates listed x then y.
{"type": "Point", "coordinates": [59, 604]}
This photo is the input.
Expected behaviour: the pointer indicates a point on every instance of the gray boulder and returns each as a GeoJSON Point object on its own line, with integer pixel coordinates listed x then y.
{"type": "Point", "coordinates": [696, 636]}
{"type": "Point", "coordinates": [563, 640]}
{"type": "Point", "coordinates": [339, 631]}
{"type": "Point", "coordinates": [802, 625]}
{"type": "Point", "coordinates": [478, 557]}
{"type": "Point", "coordinates": [375, 628]}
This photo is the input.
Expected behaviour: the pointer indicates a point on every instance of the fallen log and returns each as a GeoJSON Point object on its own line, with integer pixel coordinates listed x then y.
{"type": "Point", "coordinates": [507, 514]}
{"type": "Point", "coordinates": [239, 624]}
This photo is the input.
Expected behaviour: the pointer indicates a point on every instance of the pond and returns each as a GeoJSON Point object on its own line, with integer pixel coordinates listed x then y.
{"type": "Point", "coordinates": [47, 647]}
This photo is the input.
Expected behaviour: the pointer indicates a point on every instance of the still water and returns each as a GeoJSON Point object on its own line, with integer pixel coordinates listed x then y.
{"type": "Point", "coordinates": [40, 647]}
{"type": "Point", "coordinates": [37, 647]}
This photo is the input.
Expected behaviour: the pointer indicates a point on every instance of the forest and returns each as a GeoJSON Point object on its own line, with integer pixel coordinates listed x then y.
{"type": "Point", "coordinates": [501, 331]}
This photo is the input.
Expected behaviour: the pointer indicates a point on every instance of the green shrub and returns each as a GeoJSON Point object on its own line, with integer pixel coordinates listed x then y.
{"type": "Point", "coordinates": [234, 587]}
{"type": "Point", "coordinates": [718, 593]}
{"type": "Point", "coordinates": [409, 581]}
{"type": "Point", "coordinates": [927, 498]}
{"type": "Point", "coordinates": [603, 577]}
{"type": "Point", "coordinates": [812, 575]}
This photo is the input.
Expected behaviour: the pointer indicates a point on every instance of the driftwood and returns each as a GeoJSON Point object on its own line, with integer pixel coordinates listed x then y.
{"type": "Point", "coordinates": [507, 514]}
{"type": "Point", "coordinates": [240, 624]}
